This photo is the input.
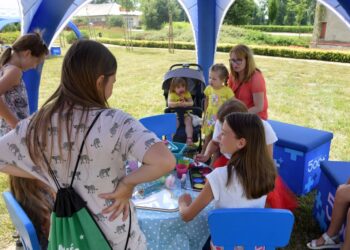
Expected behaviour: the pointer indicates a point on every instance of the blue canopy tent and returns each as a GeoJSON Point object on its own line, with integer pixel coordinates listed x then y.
{"type": "Point", "coordinates": [206, 17]}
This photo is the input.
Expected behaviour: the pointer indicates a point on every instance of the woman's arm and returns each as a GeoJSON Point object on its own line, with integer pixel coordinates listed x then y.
{"type": "Point", "coordinates": [189, 209]}
{"type": "Point", "coordinates": [157, 161]}
{"type": "Point", "coordinates": [258, 99]}
{"type": "Point", "coordinates": [11, 78]}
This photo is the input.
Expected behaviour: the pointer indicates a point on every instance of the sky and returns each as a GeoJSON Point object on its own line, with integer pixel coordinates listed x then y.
{"type": "Point", "coordinates": [9, 8]}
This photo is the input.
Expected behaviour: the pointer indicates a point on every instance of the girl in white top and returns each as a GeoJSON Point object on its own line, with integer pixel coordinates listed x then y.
{"type": "Point", "coordinates": [281, 197]}
{"type": "Point", "coordinates": [249, 175]}
{"type": "Point", "coordinates": [231, 105]}
{"type": "Point", "coordinates": [57, 130]}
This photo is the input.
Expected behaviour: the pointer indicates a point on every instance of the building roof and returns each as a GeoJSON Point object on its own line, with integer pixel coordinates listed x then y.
{"type": "Point", "coordinates": [105, 9]}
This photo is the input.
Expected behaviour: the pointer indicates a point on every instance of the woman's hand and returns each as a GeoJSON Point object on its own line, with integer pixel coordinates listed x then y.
{"type": "Point", "coordinates": [121, 198]}
{"type": "Point", "coordinates": [201, 157]}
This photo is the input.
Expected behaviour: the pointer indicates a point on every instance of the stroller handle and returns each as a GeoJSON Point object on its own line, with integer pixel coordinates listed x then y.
{"type": "Point", "coordinates": [186, 65]}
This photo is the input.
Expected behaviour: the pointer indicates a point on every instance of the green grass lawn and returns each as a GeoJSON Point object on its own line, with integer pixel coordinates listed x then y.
{"type": "Point", "coordinates": [308, 93]}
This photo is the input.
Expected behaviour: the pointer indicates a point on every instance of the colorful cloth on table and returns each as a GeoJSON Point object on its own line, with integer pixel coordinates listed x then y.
{"type": "Point", "coordinates": [102, 162]}
{"type": "Point", "coordinates": [245, 91]}
{"type": "Point", "coordinates": [215, 97]}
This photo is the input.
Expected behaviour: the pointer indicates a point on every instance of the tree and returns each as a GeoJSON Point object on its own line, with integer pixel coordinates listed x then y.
{"type": "Point", "coordinates": [289, 18]}
{"type": "Point", "coordinates": [301, 9]}
{"type": "Point", "coordinates": [281, 12]}
{"type": "Point", "coordinates": [273, 7]}
{"type": "Point", "coordinates": [241, 12]}
{"type": "Point", "coordinates": [156, 12]}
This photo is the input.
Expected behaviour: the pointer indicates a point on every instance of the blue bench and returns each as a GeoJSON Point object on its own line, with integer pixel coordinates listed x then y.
{"type": "Point", "coordinates": [333, 174]}
{"type": "Point", "coordinates": [298, 153]}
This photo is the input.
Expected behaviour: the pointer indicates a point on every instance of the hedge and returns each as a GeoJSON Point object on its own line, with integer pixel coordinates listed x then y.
{"type": "Point", "coordinates": [299, 53]}
{"type": "Point", "coordinates": [280, 28]}
{"type": "Point", "coordinates": [9, 37]}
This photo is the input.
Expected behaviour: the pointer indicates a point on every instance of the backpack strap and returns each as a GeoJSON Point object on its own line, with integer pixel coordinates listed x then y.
{"type": "Point", "coordinates": [128, 236]}
{"type": "Point", "coordinates": [82, 145]}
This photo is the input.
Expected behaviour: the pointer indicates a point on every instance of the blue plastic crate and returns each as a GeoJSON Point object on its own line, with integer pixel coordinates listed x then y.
{"type": "Point", "coordinates": [298, 153]}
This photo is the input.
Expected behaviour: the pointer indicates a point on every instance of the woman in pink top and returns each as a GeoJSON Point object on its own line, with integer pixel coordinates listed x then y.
{"type": "Point", "coordinates": [247, 81]}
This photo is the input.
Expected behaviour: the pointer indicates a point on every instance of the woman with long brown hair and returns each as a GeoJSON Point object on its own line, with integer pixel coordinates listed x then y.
{"type": "Point", "coordinates": [247, 81]}
{"type": "Point", "coordinates": [55, 133]}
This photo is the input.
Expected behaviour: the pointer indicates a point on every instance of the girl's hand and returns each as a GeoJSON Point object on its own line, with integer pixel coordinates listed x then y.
{"type": "Point", "coordinates": [201, 157]}
{"type": "Point", "coordinates": [185, 200]}
{"type": "Point", "coordinates": [120, 197]}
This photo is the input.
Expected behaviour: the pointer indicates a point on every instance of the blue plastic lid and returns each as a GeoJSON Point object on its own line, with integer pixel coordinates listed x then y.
{"type": "Point", "coordinates": [338, 172]}
{"type": "Point", "coordinates": [299, 138]}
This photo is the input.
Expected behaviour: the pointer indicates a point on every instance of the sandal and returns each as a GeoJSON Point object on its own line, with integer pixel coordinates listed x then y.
{"type": "Point", "coordinates": [329, 242]}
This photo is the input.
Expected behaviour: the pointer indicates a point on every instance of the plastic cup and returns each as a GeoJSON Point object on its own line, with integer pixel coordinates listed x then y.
{"type": "Point", "coordinates": [180, 170]}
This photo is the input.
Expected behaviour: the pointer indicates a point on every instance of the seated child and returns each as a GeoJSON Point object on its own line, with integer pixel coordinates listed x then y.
{"type": "Point", "coordinates": [249, 175]}
{"type": "Point", "coordinates": [37, 200]}
{"type": "Point", "coordinates": [281, 196]}
{"type": "Point", "coordinates": [180, 97]}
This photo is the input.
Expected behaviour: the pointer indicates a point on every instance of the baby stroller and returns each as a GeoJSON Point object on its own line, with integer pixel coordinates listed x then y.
{"type": "Point", "coordinates": [193, 74]}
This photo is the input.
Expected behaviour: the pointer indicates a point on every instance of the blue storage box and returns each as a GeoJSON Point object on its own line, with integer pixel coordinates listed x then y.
{"type": "Point", "coordinates": [55, 51]}
{"type": "Point", "coordinates": [298, 153]}
{"type": "Point", "coordinates": [333, 174]}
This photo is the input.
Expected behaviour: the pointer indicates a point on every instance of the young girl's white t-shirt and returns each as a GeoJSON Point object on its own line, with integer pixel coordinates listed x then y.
{"type": "Point", "coordinates": [270, 134]}
{"type": "Point", "coordinates": [231, 196]}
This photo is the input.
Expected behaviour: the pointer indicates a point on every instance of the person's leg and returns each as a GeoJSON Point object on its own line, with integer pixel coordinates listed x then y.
{"type": "Point", "coordinates": [346, 244]}
{"type": "Point", "coordinates": [189, 129]}
{"type": "Point", "coordinates": [340, 210]}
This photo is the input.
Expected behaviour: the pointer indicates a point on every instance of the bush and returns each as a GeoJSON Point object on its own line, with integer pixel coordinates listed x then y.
{"type": "Point", "coordinates": [299, 53]}
{"type": "Point", "coordinates": [11, 27]}
{"type": "Point", "coordinates": [280, 28]}
{"type": "Point", "coordinates": [115, 21]}
{"type": "Point", "coordinates": [71, 37]}
{"type": "Point", "coordinates": [9, 37]}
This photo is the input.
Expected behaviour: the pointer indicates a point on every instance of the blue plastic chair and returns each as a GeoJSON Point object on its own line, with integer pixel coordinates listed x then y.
{"type": "Point", "coordinates": [250, 227]}
{"type": "Point", "coordinates": [163, 124]}
{"type": "Point", "coordinates": [22, 223]}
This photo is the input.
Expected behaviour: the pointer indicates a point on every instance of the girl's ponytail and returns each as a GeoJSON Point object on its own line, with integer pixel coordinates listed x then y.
{"type": "Point", "coordinates": [5, 56]}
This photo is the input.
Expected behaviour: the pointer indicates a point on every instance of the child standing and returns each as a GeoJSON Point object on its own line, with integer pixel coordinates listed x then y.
{"type": "Point", "coordinates": [247, 178]}
{"type": "Point", "coordinates": [180, 97]}
{"type": "Point", "coordinates": [26, 53]}
{"type": "Point", "coordinates": [215, 95]}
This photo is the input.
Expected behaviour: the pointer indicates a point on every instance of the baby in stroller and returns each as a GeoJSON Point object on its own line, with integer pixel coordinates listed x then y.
{"type": "Point", "coordinates": [187, 101]}
{"type": "Point", "coordinates": [180, 97]}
